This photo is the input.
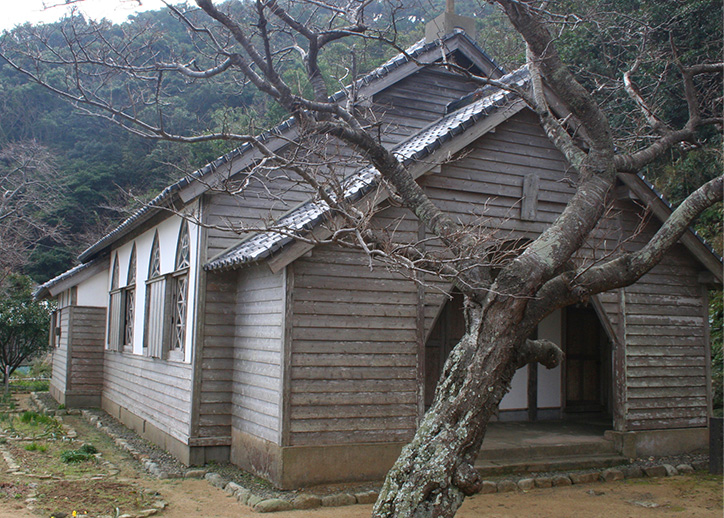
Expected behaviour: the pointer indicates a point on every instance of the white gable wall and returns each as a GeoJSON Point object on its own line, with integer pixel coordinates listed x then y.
{"type": "Point", "coordinates": [94, 291]}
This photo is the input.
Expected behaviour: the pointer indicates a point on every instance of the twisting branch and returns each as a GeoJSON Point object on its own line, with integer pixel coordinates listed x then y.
{"type": "Point", "coordinates": [575, 286]}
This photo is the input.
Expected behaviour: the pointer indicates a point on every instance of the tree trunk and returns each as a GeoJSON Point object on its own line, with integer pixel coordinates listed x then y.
{"type": "Point", "coordinates": [435, 471]}
{"type": "Point", "coordinates": [6, 380]}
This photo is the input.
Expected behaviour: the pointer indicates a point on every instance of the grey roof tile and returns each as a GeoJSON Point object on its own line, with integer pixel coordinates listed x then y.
{"type": "Point", "coordinates": [158, 203]}
{"type": "Point", "coordinates": [305, 217]}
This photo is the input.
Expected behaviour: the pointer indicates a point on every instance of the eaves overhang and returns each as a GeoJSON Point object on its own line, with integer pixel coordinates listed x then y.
{"type": "Point", "coordinates": [194, 184]}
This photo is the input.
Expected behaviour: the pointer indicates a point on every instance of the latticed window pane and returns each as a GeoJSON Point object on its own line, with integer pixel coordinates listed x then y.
{"type": "Point", "coordinates": [114, 276]}
{"type": "Point", "coordinates": [130, 312]}
{"type": "Point", "coordinates": [131, 279]}
{"type": "Point", "coordinates": [154, 269]}
{"type": "Point", "coordinates": [179, 313]}
{"type": "Point", "coordinates": [183, 248]}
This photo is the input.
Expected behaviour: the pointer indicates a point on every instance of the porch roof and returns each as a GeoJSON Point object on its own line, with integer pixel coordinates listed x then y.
{"type": "Point", "coordinates": [295, 223]}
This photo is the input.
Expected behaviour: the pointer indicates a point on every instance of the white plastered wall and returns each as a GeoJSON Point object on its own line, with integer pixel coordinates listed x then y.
{"type": "Point", "coordinates": [549, 380]}
{"type": "Point", "coordinates": [168, 232]}
{"type": "Point", "coordinates": [94, 291]}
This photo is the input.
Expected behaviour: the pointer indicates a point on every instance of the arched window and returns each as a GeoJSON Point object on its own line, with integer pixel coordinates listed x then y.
{"type": "Point", "coordinates": [179, 303]}
{"type": "Point", "coordinates": [129, 302]}
{"type": "Point", "coordinates": [155, 304]}
{"type": "Point", "coordinates": [114, 275]}
{"type": "Point", "coordinates": [154, 267]}
{"type": "Point", "coordinates": [183, 247]}
{"type": "Point", "coordinates": [115, 309]}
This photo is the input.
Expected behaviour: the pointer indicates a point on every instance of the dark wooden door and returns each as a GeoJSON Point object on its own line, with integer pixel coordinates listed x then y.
{"type": "Point", "coordinates": [584, 340]}
{"type": "Point", "coordinates": [447, 332]}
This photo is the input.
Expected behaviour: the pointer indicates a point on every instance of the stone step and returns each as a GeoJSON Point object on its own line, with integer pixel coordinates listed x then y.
{"type": "Point", "coordinates": [520, 465]}
{"type": "Point", "coordinates": [546, 449]}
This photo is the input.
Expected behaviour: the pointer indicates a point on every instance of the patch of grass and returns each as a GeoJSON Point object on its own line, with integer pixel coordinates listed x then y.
{"type": "Point", "coordinates": [89, 449]}
{"type": "Point", "coordinates": [61, 406]}
{"type": "Point", "coordinates": [82, 454]}
{"type": "Point", "coordinates": [30, 385]}
{"type": "Point", "coordinates": [73, 456]}
{"type": "Point", "coordinates": [34, 425]}
{"type": "Point", "coordinates": [32, 417]}
{"type": "Point", "coordinates": [34, 446]}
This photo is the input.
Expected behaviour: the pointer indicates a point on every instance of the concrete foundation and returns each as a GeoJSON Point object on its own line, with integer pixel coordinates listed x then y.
{"type": "Point", "coordinates": [71, 400]}
{"type": "Point", "coordinates": [658, 443]}
{"type": "Point", "coordinates": [301, 466]}
{"type": "Point", "coordinates": [187, 455]}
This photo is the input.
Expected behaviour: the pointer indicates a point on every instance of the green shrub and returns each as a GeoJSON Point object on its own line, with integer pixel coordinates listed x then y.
{"type": "Point", "coordinates": [89, 449]}
{"type": "Point", "coordinates": [34, 446]}
{"type": "Point", "coordinates": [34, 418]}
{"type": "Point", "coordinates": [73, 456]}
{"type": "Point", "coordinates": [30, 385]}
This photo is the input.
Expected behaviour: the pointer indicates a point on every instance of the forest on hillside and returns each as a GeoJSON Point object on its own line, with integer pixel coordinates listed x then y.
{"type": "Point", "coordinates": [101, 172]}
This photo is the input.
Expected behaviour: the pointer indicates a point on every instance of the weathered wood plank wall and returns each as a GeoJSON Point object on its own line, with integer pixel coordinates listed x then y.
{"type": "Point", "coordinates": [86, 344]}
{"type": "Point", "coordinates": [60, 353]}
{"type": "Point", "coordinates": [257, 360]}
{"type": "Point", "coordinates": [217, 356]}
{"type": "Point", "coordinates": [157, 391]}
{"type": "Point", "coordinates": [665, 334]}
{"type": "Point", "coordinates": [412, 104]}
{"type": "Point", "coordinates": [353, 362]}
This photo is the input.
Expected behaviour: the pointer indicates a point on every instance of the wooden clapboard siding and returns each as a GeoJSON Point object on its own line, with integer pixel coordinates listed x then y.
{"type": "Point", "coordinates": [403, 109]}
{"type": "Point", "coordinates": [256, 395]}
{"type": "Point", "coordinates": [484, 184]}
{"type": "Point", "coordinates": [216, 372]}
{"type": "Point", "coordinates": [157, 391]}
{"type": "Point", "coordinates": [59, 376]}
{"type": "Point", "coordinates": [666, 346]}
{"type": "Point", "coordinates": [354, 350]}
{"type": "Point", "coordinates": [87, 349]}
{"type": "Point", "coordinates": [416, 101]}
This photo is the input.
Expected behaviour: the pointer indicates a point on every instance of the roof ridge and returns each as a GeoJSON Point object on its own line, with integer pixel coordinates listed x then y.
{"type": "Point", "coordinates": [417, 49]}
{"type": "Point", "coordinates": [308, 214]}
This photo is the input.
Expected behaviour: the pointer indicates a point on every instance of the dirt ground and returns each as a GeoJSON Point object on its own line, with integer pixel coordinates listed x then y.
{"type": "Point", "coordinates": [691, 496]}
{"type": "Point", "coordinates": [686, 496]}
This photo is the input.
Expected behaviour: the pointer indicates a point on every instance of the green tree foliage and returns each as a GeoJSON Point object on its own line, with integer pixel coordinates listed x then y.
{"type": "Point", "coordinates": [108, 172]}
{"type": "Point", "coordinates": [23, 324]}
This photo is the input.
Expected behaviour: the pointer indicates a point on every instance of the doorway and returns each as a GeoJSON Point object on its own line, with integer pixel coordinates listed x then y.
{"type": "Point", "coordinates": [446, 333]}
{"type": "Point", "coordinates": [581, 387]}
{"type": "Point", "coordinates": [588, 369]}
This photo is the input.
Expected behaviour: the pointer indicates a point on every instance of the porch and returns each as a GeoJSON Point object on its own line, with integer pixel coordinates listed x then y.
{"type": "Point", "coordinates": [541, 446]}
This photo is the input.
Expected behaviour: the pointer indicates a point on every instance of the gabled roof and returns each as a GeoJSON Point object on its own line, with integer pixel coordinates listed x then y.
{"type": "Point", "coordinates": [470, 110]}
{"type": "Point", "coordinates": [70, 278]}
{"type": "Point", "coordinates": [400, 65]}
{"type": "Point", "coordinates": [304, 217]}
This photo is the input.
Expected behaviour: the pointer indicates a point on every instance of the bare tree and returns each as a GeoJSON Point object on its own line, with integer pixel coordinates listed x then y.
{"type": "Point", "coordinates": [29, 187]}
{"type": "Point", "coordinates": [504, 299]}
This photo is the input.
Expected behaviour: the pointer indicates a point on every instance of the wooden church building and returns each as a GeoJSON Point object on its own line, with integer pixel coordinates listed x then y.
{"type": "Point", "coordinates": [303, 365]}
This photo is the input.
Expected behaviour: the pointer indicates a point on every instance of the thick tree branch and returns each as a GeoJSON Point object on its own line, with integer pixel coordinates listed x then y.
{"type": "Point", "coordinates": [540, 351]}
{"type": "Point", "coordinates": [575, 286]}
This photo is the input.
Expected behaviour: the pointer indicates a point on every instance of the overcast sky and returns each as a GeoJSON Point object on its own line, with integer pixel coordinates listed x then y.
{"type": "Point", "coordinates": [15, 12]}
